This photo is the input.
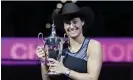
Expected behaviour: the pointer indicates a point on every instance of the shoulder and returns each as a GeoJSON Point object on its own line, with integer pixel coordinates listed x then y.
{"type": "Point", "coordinates": [94, 43]}
{"type": "Point", "coordinates": [94, 46]}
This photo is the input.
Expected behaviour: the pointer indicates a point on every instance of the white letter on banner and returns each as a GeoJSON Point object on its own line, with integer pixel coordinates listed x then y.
{"type": "Point", "coordinates": [31, 51]}
{"type": "Point", "coordinates": [18, 51]}
{"type": "Point", "coordinates": [116, 52]}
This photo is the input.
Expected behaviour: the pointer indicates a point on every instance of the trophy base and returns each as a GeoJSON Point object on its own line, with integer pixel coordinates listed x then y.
{"type": "Point", "coordinates": [51, 73]}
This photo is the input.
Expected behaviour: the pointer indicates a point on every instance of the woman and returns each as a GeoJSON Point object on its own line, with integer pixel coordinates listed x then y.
{"type": "Point", "coordinates": [83, 56]}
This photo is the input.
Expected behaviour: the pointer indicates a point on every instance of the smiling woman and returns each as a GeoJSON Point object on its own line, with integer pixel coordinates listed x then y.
{"type": "Point", "coordinates": [82, 59]}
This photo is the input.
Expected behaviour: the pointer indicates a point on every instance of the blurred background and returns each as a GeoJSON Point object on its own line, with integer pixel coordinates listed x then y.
{"type": "Point", "coordinates": [21, 21]}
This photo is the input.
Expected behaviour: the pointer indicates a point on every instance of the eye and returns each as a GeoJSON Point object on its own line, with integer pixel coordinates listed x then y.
{"type": "Point", "coordinates": [68, 22]}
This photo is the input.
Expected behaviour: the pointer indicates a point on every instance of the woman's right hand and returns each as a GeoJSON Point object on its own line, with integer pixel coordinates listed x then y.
{"type": "Point", "coordinates": [42, 52]}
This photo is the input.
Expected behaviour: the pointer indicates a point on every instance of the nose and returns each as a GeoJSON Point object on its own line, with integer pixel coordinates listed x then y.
{"type": "Point", "coordinates": [71, 25]}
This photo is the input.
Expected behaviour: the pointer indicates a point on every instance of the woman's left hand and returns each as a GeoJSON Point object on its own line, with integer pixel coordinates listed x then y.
{"type": "Point", "coordinates": [56, 66]}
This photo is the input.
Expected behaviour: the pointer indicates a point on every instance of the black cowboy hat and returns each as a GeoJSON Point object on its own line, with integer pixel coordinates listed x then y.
{"type": "Point", "coordinates": [71, 10]}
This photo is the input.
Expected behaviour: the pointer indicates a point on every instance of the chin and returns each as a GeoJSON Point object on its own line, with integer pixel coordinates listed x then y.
{"type": "Point", "coordinates": [74, 35]}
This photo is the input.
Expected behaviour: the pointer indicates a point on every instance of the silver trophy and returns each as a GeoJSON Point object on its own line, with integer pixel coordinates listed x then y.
{"type": "Point", "coordinates": [55, 46]}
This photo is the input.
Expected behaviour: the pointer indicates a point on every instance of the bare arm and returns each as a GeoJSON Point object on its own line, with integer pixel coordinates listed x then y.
{"type": "Point", "coordinates": [40, 52]}
{"type": "Point", "coordinates": [43, 71]}
{"type": "Point", "coordinates": [94, 63]}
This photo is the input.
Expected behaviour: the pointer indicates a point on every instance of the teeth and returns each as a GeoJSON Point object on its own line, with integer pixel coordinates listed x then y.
{"type": "Point", "coordinates": [73, 30]}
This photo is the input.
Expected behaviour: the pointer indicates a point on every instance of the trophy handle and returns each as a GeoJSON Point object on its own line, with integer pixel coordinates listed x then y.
{"type": "Point", "coordinates": [40, 34]}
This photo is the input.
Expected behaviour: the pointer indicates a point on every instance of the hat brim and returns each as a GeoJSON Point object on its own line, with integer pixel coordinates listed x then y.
{"type": "Point", "coordinates": [86, 13]}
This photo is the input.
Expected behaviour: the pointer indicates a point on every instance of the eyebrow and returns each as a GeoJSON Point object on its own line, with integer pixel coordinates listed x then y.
{"type": "Point", "coordinates": [75, 19]}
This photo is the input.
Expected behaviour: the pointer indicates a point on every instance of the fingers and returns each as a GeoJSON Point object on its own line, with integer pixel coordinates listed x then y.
{"type": "Point", "coordinates": [52, 60]}
{"type": "Point", "coordinates": [41, 52]}
{"type": "Point", "coordinates": [54, 69]}
{"type": "Point", "coordinates": [51, 64]}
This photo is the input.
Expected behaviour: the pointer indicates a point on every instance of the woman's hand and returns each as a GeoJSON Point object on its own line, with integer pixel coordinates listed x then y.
{"type": "Point", "coordinates": [56, 66]}
{"type": "Point", "coordinates": [42, 52]}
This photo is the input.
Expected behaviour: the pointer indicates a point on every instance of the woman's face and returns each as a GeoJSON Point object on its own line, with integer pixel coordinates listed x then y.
{"type": "Point", "coordinates": [73, 28]}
